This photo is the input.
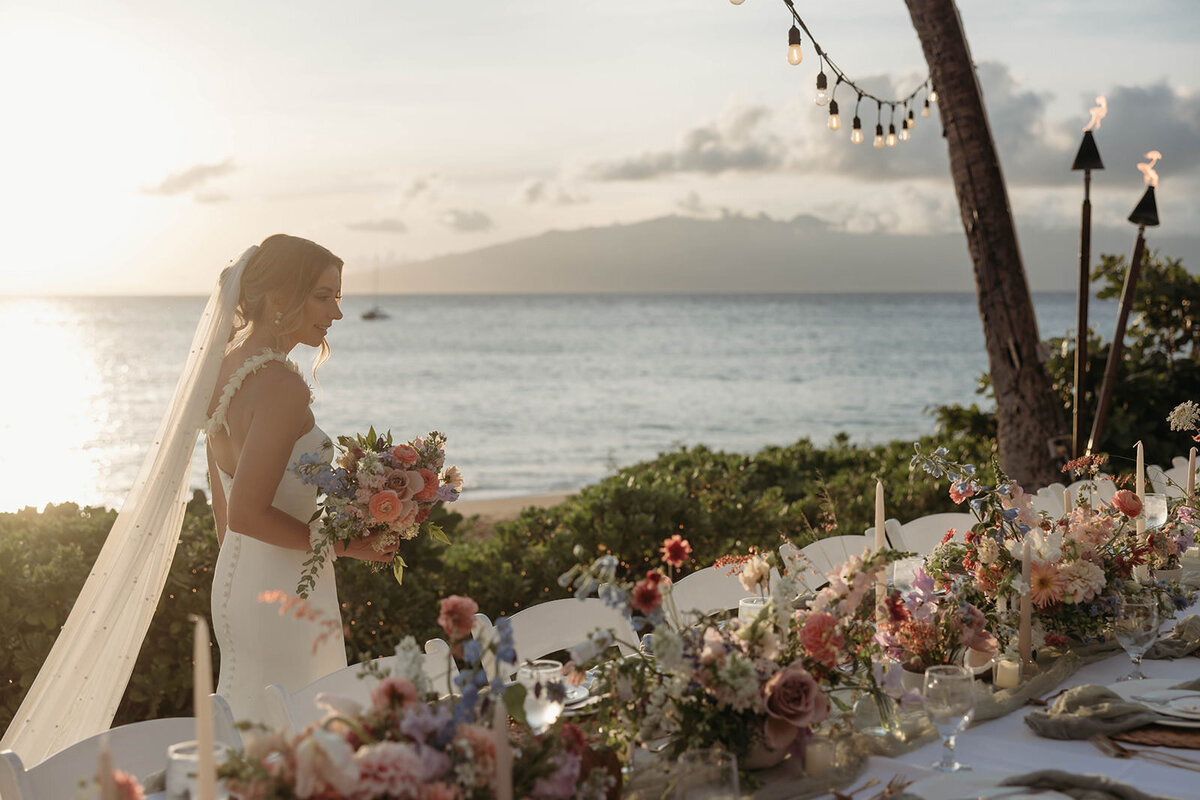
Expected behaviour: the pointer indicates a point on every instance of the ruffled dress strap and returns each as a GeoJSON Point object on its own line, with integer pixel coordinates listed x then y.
{"type": "Point", "coordinates": [249, 367]}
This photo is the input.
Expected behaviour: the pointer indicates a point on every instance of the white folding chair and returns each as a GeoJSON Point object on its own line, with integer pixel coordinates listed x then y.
{"type": "Point", "coordinates": [139, 748]}
{"type": "Point", "coordinates": [1175, 478]}
{"type": "Point", "coordinates": [709, 591]}
{"type": "Point", "coordinates": [1102, 488]}
{"type": "Point", "coordinates": [806, 572]}
{"type": "Point", "coordinates": [294, 711]}
{"type": "Point", "coordinates": [1049, 499]}
{"type": "Point", "coordinates": [831, 552]}
{"type": "Point", "coordinates": [891, 534]}
{"type": "Point", "coordinates": [923, 534]}
{"type": "Point", "coordinates": [554, 625]}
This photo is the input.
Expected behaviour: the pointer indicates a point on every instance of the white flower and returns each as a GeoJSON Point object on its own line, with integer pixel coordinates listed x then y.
{"type": "Point", "coordinates": [1085, 580]}
{"type": "Point", "coordinates": [987, 550]}
{"type": "Point", "coordinates": [453, 477]}
{"type": "Point", "coordinates": [754, 572]}
{"type": "Point", "coordinates": [597, 642]}
{"type": "Point", "coordinates": [1044, 547]}
{"type": "Point", "coordinates": [324, 760]}
{"type": "Point", "coordinates": [337, 705]}
{"type": "Point", "coordinates": [410, 660]}
{"type": "Point", "coordinates": [1185, 416]}
{"type": "Point", "coordinates": [668, 649]}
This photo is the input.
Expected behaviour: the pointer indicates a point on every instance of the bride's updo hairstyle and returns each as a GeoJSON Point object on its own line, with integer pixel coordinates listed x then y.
{"type": "Point", "coordinates": [288, 267]}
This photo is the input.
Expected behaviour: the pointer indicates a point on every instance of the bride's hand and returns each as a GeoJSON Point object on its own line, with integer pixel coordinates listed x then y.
{"type": "Point", "coordinates": [364, 549]}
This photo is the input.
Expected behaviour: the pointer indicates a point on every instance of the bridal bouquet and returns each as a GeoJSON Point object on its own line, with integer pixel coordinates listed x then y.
{"type": "Point", "coordinates": [377, 487]}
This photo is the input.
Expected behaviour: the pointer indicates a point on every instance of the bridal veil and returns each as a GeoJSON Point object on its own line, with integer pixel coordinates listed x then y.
{"type": "Point", "coordinates": [76, 693]}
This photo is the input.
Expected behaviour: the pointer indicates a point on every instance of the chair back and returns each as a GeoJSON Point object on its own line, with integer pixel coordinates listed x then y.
{"type": "Point", "coordinates": [891, 534]}
{"type": "Point", "coordinates": [1103, 488]}
{"type": "Point", "coordinates": [709, 591]}
{"type": "Point", "coordinates": [923, 534]}
{"type": "Point", "coordinates": [1175, 479]}
{"type": "Point", "coordinates": [1049, 499]}
{"type": "Point", "coordinates": [294, 711]}
{"type": "Point", "coordinates": [554, 625]}
{"type": "Point", "coordinates": [831, 552]}
{"type": "Point", "coordinates": [139, 748]}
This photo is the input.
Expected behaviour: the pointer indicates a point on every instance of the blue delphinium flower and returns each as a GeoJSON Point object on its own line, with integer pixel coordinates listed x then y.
{"type": "Point", "coordinates": [505, 652]}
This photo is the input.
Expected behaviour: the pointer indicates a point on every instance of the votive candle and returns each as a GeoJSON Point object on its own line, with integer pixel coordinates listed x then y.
{"type": "Point", "coordinates": [820, 755]}
{"type": "Point", "coordinates": [202, 687]}
{"type": "Point", "coordinates": [1008, 673]}
{"type": "Point", "coordinates": [1025, 632]}
{"type": "Point", "coordinates": [880, 543]}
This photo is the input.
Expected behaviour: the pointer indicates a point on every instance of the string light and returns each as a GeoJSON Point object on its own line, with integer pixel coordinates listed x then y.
{"type": "Point", "coordinates": [823, 96]}
{"type": "Point", "coordinates": [795, 54]}
{"type": "Point", "coordinates": [835, 121]}
{"type": "Point", "coordinates": [856, 134]}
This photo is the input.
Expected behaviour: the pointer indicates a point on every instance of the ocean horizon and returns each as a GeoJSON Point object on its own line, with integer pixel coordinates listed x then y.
{"type": "Point", "coordinates": [536, 392]}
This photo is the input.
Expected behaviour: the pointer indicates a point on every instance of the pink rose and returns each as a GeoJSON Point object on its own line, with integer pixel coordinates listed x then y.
{"type": "Point", "coordinates": [387, 769]}
{"type": "Point", "coordinates": [405, 482]}
{"type": "Point", "coordinates": [384, 506]}
{"type": "Point", "coordinates": [404, 455]}
{"type": "Point", "coordinates": [393, 689]}
{"type": "Point", "coordinates": [793, 700]}
{"type": "Point", "coordinates": [457, 616]}
{"type": "Point", "coordinates": [409, 511]}
{"type": "Point", "coordinates": [821, 639]}
{"type": "Point", "coordinates": [430, 487]}
{"type": "Point", "coordinates": [1127, 503]}
{"type": "Point", "coordinates": [480, 744]}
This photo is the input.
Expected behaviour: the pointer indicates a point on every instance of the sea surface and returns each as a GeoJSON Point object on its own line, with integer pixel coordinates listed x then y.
{"type": "Point", "coordinates": [536, 393]}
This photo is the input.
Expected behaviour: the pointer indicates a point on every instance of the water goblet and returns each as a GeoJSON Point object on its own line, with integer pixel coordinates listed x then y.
{"type": "Point", "coordinates": [710, 774]}
{"type": "Point", "coordinates": [1136, 628]}
{"type": "Point", "coordinates": [183, 764]}
{"type": "Point", "coordinates": [949, 700]}
{"type": "Point", "coordinates": [1154, 510]}
{"type": "Point", "coordinates": [544, 692]}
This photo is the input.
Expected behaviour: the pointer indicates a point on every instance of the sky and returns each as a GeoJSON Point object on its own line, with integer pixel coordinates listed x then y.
{"type": "Point", "coordinates": [146, 144]}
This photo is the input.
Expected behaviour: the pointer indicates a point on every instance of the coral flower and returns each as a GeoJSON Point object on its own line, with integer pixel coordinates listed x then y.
{"type": "Point", "coordinates": [646, 596]}
{"type": "Point", "coordinates": [429, 490]}
{"type": "Point", "coordinates": [1046, 584]}
{"type": "Point", "coordinates": [384, 506]}
{"type": "Point", "coordinates": [457, 616]}
{"type": "Point", "coordinates": [675, 551]}
{"type": "Point", "coordinates": [1127, 503]}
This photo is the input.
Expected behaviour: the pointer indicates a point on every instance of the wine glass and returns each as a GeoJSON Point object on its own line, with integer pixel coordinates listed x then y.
{"type": "Point", "coordinates": [1154, 510]}
{"type": "Point", "coordinates": [949, 700]}
{"type": "Point", "coordinates": [1136, 628]}
{"type": "Point", "coordinates": [544, 692]}
{"type": "Point", "coordinates": [707, 775]}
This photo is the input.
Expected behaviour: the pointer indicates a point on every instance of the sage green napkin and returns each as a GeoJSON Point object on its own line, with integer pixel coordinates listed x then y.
{"type": "Point", "coordinates": [1182, 641]}
{"type": "Point", "coordinates": [1080, 787]}
{"type": "Point", "coordinates": [1084, 711]}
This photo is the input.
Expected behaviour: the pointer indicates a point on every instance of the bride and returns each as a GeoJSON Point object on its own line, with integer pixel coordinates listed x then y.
{"type": "Point", "coordinates": [237, 384]}
{"type": "Point", "coordinates": [259, 424]}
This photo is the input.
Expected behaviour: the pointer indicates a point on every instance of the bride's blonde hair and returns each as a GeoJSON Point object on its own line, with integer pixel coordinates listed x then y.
{"type": "Point", "coordinates": [289, 267]}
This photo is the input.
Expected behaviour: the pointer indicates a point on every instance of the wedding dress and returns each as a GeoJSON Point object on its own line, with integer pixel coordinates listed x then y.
{"type": "Point", "coordinates": [259, 646]}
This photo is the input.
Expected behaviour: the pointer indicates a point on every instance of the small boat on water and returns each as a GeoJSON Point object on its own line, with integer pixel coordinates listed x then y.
{"type": "Point", "coordinates": [374, 312]}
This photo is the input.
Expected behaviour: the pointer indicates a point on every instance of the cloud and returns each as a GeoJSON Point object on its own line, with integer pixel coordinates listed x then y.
{"type": "Point", "coordinates": [692, 205]}
{"type": "Point", "coordinates": [539, 191]}
{"type": "Point", "coordinates": [738, 141]}
{"type": "Point", "coordinates": [191, 178]}
{"type": "Point", "coordinates": [210, 197]}
{"type": "Point", "coordinates": [378, 226]}
{"type": "Point", "coordinates": [466, 221]}
{"type": "Point", "coordinates": [424, 186]}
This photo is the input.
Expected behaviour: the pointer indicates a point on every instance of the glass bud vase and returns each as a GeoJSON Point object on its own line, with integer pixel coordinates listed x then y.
{"type": "Point", "coordinates": [876, 713]}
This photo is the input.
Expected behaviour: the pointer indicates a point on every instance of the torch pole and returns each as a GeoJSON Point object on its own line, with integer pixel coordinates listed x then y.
{"type": "Point", "coordinates": [1081, 317]}
{"type": "Point", "coordinates": [1114, 352]}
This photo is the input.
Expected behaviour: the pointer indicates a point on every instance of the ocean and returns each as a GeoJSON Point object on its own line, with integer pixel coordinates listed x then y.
{"type": "Point", "coordinates": [536, 393]}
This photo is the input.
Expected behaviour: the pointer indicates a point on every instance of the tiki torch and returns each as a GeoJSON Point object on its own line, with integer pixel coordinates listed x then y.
{"type": "Point", "coordinates": [1087, 159]}
{"type": "Point", "coordinates": [1144, 213]}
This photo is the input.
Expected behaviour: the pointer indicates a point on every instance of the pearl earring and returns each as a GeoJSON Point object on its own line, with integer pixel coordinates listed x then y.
{"type": "Point", "coordinates": [278, 318]}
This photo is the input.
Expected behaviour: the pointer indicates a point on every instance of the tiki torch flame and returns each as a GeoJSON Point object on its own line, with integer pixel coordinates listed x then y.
{"type": "Point", "coordinates": [1098, 113]}
{"type": "Point", "coordinates": [1147, 170]}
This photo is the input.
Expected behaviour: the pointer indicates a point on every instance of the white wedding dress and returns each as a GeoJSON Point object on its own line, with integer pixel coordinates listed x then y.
{"type": "Point", "coordinates": [259, 646]}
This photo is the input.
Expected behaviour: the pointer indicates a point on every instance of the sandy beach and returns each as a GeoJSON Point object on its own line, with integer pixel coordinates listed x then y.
{"type": "Point", "coordinates": [506, 508]}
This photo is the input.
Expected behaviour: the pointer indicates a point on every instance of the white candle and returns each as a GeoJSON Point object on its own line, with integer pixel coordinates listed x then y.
{"type": "Point", "coordinates": [1002, 604]}
{"type": "Point", "coordinates": [504, 753]}
{"type": "Point", "coordinates": [1139, 482]}
{"type": "Point", "coordinates": [819, 755]}
{"type": "Point", "coordinates": [880, 543]}
{"type": "Point", "coordinates": [1066, 502]}
{"type": "Point", "coordinates": [1025, 632]}
{"type": "Point", "coordinates": [108, 784]}
{"type": "Point", "coordinates": [1008, 674]}
{"type": "Point", "coordinates": [202, 686]}
{"type": "Point", "coordinates": [1191, 479]}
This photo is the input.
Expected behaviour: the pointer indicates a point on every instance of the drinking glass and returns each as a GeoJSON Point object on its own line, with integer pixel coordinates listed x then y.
{"type": "Point", "coordinates": [1136, 628]}
{"type": "Point", "coordinates": [544, 692]}
{"type": "Point", "coordinates": [183, 761]}
{"type": "Point", "coordinates": [949, 701]}
{"type": "Point", "coordinates": [707, 775]}
{"type": "Point", "coordinates": [1154, 510]}
{"type": "Point", "coordinates": [749, 608]}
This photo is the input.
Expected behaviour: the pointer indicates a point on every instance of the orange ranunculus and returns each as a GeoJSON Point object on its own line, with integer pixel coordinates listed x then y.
{"type": "Point", "coordinates": [384, 506]}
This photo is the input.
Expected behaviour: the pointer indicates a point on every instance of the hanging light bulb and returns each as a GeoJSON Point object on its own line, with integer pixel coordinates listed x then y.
{"type": "Point", "coordinates": [822, 85]}
{"type": "Point", "coordinates": [878, 136]}
{"type": "Point", "coordinates": [856, 134]}
{"type": "Point", "coordinates": [891, 136]}
{"type": "Point", "coordinates": [925, 109]}
{"type": "Point", "coordinates": [737, 2]}
{"type": "Point", "coordinates": [835, 121]}
{"type": "Point", "coordinates": [904, 130]}
{"type": "Point", "coordinates": [912, 121]}
{"type": "Point", "coordinates": [933, 95]}
{"type": "Point", "coordinates": [795, 54]}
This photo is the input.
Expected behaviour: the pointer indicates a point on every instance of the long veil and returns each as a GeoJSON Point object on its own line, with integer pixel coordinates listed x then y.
{"type": "Point", "coordinates": [76, 693]}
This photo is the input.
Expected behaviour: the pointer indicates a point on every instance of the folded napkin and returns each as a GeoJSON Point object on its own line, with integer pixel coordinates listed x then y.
{"type": "Point", "coordinates": [1080, 787]}
{"type": "Point", "coordinates": [1182, 641]}
{"type": "Point", "coordinates": [1084, 711]}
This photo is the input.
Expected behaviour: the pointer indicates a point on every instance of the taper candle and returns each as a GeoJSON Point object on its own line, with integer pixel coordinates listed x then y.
{"type": "Point", "coordinates": [202, 687]}
{"type": "Point", "coordinates": [1139, 482]}
{"type": "Point", "coordinates": [1066, 502]}
{"type": "Point", "coordinates": [1025, 633]}
{"type": "Point", "coordinates": [880, 543]}
{"type": "Point", "coordinates": [108, 782]}
{"type": "Point", "coordinates": [504, 753]}
{"type": "Point", "coordinates": [1191, 479]}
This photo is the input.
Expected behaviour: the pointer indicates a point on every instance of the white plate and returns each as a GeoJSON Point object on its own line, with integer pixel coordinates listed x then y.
{"type": "Point", "coordinates": [575, 695]}
{"type": "Point", "coordinates": [1156, 687]}
{"type": "Point", "coordinates": [981, 784]}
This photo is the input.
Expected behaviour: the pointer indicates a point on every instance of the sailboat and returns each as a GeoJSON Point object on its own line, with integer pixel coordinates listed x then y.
{"type": "Point", "coordinates": [375, 311]}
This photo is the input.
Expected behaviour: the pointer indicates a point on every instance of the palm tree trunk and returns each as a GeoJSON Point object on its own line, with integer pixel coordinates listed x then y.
{"type": "Point", "coordinates": [1030, 420]}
